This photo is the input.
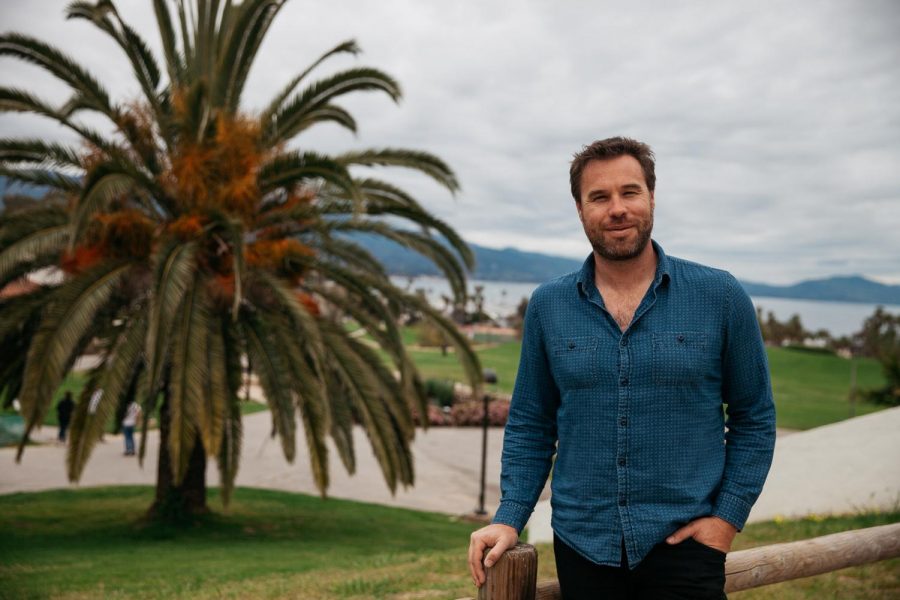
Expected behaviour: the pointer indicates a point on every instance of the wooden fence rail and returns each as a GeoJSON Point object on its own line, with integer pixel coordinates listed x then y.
{"type": "Point", "coordinates": [515, 574]}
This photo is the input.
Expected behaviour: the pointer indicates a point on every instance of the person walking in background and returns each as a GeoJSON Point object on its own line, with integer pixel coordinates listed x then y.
{"type": "Point", "coordinates": [132, 414]}
{"type": "Point", "coordinates": [64, 410]}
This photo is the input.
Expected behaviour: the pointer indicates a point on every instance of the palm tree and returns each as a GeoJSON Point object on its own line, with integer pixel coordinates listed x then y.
{"type": "Point", "coordinates": [195, 244]}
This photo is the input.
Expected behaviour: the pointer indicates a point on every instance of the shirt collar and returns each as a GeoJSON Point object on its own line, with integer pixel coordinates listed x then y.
{"type": "Point", "coordinates": [585, 279]}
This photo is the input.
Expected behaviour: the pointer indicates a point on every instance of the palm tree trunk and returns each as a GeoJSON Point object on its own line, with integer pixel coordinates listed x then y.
{"type": "Point", "coordinates": [174, 503]}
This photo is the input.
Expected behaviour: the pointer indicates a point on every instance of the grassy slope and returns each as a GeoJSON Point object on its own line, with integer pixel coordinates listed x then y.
{"type": "Point", "coordinates": [91, 543]}
{"type": "Point", "coordinates": [811, 389]}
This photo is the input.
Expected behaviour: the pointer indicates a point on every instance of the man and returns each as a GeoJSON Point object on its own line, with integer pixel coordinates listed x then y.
{"type": "Point", "coordinates": [64, 409]}
{"type": "Point", "coordinates": [625, 368]}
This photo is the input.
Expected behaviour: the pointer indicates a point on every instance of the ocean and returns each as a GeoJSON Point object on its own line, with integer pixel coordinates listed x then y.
{"type": "Point", "coordinates": [502, 298]}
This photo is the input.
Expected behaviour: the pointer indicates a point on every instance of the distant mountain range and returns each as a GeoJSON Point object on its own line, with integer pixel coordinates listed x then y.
{"type": "Point", "coordinates": [510, 264]}
{"type": "Point", "coordinates": [852, 288]}
{"type": "Point", "coordinates": [514, 265]}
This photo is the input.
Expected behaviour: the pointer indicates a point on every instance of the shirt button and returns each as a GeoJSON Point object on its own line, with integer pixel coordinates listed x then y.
{"type": "Point", "coordinates": [621, 462]}
{"type": "Point", "coordinates": [571, 345]}
{"type": "Point", "coordinates": [623, 421]}
{"type": "Point", "coordinates": [622, 502]}
{"type": "Point", "coordinates": [623, 381]}
{"type": "Point", "coordinates": [680, 338]}
{"type": "Point", "coordinates": [624, 342]}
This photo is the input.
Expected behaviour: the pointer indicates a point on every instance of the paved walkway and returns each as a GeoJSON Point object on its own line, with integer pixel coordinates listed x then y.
{"type": "Point", "coordinates": [844, 467]}
{"type": "Point", "coordinates": [447, 466]}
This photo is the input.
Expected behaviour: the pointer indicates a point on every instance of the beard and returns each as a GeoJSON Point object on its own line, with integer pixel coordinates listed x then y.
{"type": "Point", "coordinates": [620, 250]}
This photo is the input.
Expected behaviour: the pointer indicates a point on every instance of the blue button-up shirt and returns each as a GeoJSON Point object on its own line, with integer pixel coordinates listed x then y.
{"type": "Point", "coordinates": [635, 418]}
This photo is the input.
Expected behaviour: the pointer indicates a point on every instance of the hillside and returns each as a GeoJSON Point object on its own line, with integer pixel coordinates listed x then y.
{"type": "Point", "coordinates": [514, 265]}
{"type": "Point", "coordinates": [852, 288]}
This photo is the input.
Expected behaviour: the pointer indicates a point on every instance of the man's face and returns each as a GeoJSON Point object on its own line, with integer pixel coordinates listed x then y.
{"type": "Point", "coordinates": [616, 208]}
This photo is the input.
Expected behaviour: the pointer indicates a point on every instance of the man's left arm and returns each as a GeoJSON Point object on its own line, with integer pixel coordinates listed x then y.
{"type": "Point", "coordinates": [750, 410]}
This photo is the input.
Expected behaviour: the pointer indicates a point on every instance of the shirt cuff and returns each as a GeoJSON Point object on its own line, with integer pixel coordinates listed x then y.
{"type": "Point", "coordinates": [732, 509]}
{"type": "Point", "coordinates": [513, 514]}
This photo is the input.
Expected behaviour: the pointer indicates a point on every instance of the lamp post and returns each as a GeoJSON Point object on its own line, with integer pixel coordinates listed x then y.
{"type": "Point", "coordinates": [490, 376]}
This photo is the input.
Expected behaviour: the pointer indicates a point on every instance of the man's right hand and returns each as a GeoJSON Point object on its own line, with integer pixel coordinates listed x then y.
{"type": "Point", "coordinates": [497, 537]}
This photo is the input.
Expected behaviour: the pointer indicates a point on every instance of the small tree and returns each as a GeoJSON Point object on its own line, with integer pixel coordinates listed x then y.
{"type": "Point", "coordinates": [880, 339]}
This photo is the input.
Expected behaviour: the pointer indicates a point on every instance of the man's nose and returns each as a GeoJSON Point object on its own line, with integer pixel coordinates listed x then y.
{"type": "Point", "coordinates": [617, 206]}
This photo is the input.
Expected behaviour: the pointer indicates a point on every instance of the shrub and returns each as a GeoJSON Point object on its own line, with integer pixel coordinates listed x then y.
{"type": "Point", "coordinates": [440, 390]}
{"type": "Point", "coordinates": [470, 413]}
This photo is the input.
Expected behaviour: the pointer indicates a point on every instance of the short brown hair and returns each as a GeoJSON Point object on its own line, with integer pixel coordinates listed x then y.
{"type": "Point", "coordinates": [612, 148]}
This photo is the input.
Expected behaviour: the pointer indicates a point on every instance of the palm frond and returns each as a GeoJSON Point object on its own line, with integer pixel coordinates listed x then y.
{"type": "Point", "coordinates": [425, 162]}
{"type": "Point", "coordinates": [423, 244]}
{"type": "Point", "coordinates": [348, 46]}
{"type": "Point", "coordinates": [217, 396]}
{"type": "Point", "coordinates": [99, 191]}
{"type": "Point", "coordinates": [188, 379]}
{"type": "Point", "coordinates": [145, 69]}
{"type": "Point", "coordinates": [309, 389]}
{"type": "Point", "coordinates": [16, 100]}
{"type": "Point", "coordinates": [14, 151]}
{"type": "Point", "coordinates": [174, 62]}
{"type": "Point", "coordinates": [268, 362]}
{"type": "Point", "coordinates": [295, 168]}
{"type": "Point", "coordinates": [67, 319]}
{"type": "Point", "coordinates": [232, 432]}
{"type": "Point", "coordinates": [115, 375]}
{"type": "Point", "coordinates": [42, 177]}
{"type": "Point", "coordinates": [63, 67]}
{"type": "Point", "coordinates": [19, 320]}
{"type": "Point", "coordinates": [384, 198]}
{"type": "Point", "coordinates": [250, 25]}
{"type": "Point", "coordinates": [329, 113]}
{"type": "Point", "coordinates": [43, 243]}
{"type": "Point", "coordinates": [175, 269]}
{"type": "Point", "coordinates": [389, 444]}
{"type": "Point", "coordinates": [283, 123]}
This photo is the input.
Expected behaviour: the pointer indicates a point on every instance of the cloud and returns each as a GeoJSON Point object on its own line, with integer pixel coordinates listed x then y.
{"type": "Point", "coordinates": [775, 126]}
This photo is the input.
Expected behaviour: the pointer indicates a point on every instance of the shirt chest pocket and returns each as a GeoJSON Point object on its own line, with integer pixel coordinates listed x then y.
{"type": "Point", "coordinates": [575, 361]}
{"type": "Point", "coordinates": [679, 357]}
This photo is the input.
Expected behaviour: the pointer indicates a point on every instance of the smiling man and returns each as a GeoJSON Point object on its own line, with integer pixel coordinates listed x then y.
{"type": "Point", "coordinates": [626, 365]}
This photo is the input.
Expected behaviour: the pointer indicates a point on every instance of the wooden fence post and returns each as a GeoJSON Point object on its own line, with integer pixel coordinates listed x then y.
{"type": "Point", "coordinates": [514, 577]}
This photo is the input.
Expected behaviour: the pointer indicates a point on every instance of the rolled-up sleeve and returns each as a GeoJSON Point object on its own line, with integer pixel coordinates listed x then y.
{"type": "Point", "coordinates": [750, 410]}
{"type": "Point", "coordinates": [529, 440]}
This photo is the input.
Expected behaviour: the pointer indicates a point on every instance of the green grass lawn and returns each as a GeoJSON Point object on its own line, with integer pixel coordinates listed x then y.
{"type": "Point", "coordinates": [811, 388]}
{"type": "Point", "coordinates": [92, 543]}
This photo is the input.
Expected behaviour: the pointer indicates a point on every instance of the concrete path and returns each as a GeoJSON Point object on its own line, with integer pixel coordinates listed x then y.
{"type": "Point", "coordinates": [844, 467]}
{"type": "Point", "coordinates": [447, 466]}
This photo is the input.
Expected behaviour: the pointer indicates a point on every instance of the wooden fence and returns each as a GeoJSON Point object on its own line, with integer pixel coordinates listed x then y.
{"type": "Point", "coordinates": [514, 577]}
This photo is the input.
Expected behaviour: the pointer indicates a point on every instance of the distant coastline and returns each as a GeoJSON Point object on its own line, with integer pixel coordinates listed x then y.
{"type": "Point", "coordinates": [515, 266]}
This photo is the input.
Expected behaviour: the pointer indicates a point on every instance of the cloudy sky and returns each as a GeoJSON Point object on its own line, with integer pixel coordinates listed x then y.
{"type": "Point", "coordinates": [776, 126]}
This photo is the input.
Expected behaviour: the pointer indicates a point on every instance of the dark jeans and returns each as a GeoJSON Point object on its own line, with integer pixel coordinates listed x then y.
{"type": "Point", "coordinates": [689, 570]}
{"type": "Point", "coordinates": [129, 439]}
